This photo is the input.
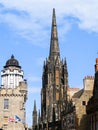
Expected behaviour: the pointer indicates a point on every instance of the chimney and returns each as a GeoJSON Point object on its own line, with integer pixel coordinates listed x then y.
{"type": "Point", "coordinates": [96, 65]}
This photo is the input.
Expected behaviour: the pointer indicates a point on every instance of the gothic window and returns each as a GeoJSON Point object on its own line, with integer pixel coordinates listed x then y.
{"type": "Point", "coordinates": [57, 96]}
{"type": "Point", "coordinates": [6, 103]}
{"type": "Point", "coordinates": [57, 77]}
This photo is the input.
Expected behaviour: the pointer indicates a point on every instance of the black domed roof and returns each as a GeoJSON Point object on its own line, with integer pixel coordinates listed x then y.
{"type": "Point", "coordinates": [12, 62]}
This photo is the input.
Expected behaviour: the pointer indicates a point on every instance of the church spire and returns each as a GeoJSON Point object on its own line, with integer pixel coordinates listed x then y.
{"type": "Point", "coordinates": [54, 46]}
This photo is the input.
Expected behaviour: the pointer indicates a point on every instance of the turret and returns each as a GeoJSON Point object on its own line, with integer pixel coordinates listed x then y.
{"type": "Point", "coordinates": [11, 75]}
{"type": "Point", "coordinates": [34, 115]}
{"type": "Point", "coordinates": [39, 118]}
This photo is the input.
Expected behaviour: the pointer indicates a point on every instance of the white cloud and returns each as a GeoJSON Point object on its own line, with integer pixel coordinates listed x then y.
{"type": "Point", "coordinates": [85, 12]}
{"type": "Point", "coordinates": [32, 19]}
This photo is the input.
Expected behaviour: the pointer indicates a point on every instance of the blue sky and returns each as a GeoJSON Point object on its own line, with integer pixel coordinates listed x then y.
{"type": "Point", "coordinates": [25, 30]}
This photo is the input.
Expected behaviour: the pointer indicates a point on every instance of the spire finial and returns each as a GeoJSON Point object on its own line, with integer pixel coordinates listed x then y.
{"type": "Point", "coordinates": [34, 105]}
{"type": "Point", "coordinates": [54, 12]}
{"type": "Point", "coordinates": [12, 56]}
{"type": "Point", "coordinates": [54, 46]}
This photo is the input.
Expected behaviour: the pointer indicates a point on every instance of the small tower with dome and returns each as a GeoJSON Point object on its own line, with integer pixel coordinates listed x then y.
{"type": "Point", "coordinates": [12, 74]}
{"type": "Point", "coordinates": [13, 96]}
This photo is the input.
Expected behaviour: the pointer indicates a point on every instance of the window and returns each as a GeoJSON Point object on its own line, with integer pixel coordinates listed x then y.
{"type": "Point", "coordinates": [6, 103]}
{"type": "Point", "coordinates": [84, 103]}
{"type": "Point", "coordinates": [5, 121]}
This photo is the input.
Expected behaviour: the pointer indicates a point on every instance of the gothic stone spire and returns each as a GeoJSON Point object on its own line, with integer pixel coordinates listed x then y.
{"type": "Point", "coordinates": [54, 46]}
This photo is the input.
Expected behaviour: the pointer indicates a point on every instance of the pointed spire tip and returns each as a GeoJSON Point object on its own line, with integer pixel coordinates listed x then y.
{"type": "Point", "coordinates": [54, 45]}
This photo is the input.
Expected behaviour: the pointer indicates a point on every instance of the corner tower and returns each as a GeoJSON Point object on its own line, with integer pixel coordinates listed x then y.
{"type": "Point", "coordinates": [54, 80]}
{"type": "Point", "coordinates": [12, 74]}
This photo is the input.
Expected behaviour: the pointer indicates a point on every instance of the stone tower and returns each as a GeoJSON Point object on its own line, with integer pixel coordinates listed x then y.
{"type": "Point", "coordinates": [54, 80]}
{"type": "Point", "coordinates": [13, 95]}
{"type": "Point", "coordinates": [11, 74]}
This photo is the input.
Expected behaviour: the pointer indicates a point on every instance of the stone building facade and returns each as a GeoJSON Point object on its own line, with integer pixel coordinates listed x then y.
{"type": "Point", "coordinates": [13, 95]}
{"type": "Point", "coordinates": [92, 105]}
{"type": "Point", "coordinates": [74, 116]}
{"type": "Point", "coordinates": [80, 100]}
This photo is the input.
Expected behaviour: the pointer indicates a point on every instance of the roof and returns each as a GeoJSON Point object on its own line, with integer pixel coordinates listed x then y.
{"type": "Point", "coordinates": [12, 62]}
{"type": "Point", "coordinates": [78, 94]}
{"type": "Point", "coordinates": [73, 89]}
